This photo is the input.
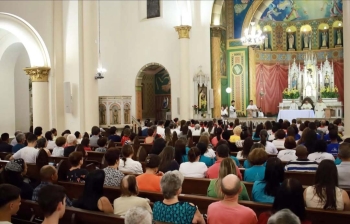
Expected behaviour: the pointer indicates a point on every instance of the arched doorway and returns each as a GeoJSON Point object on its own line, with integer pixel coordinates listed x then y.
{"type": "Point", "coordinates": [153, 92]}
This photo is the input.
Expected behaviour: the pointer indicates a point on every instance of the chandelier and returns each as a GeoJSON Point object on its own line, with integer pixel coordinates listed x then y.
{"type": "Point", "coordinates": [252, 36]}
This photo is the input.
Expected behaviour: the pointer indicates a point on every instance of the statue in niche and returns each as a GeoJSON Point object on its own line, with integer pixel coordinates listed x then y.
{"type": "Point", "coordinates": [339, 40]}
{"type": "Point", "coordinates": [266, 41]}
{"type": "Point", "coordinates": [202, 99]}
{"type": "Point", "coordinates": [324, 39]}
{"type": "Point", "coordinates": [291, 41]}
{"type": "Point", "coordinates": [306, 40]}
{"type": "Point", "coordinates": [115, 115]}
{"type": "Point", "coordinates": [102, 114]}
{"type": "Point", "coordinates": [326, 80]}
{"type": "Point", "coordinates": [126, 114]}
{"type": "Point", "coordinates": [294, 81]}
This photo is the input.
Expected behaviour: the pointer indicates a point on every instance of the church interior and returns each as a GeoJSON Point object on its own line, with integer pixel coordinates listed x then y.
{"type": "Point", "coordinates": [73, 65]}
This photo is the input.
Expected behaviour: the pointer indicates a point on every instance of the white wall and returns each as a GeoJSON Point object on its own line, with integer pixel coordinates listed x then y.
{"type": "Point", "coordinates": [21, 86]}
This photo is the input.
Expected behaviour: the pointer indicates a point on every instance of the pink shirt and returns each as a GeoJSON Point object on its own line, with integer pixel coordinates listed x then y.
{"type": "Point", "coordinates": [213, 171]}
{"type": "Point", "coordinates": [219, 213]}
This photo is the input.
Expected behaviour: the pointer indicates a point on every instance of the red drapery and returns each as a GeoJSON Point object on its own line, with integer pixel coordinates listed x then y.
{"type": "Point", "coordinates": [271, 80]}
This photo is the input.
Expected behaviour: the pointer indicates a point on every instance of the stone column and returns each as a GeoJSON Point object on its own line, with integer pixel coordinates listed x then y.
{"type": "Point", "coordinates": [216, 69]}
{"type": "Point", "coordinates": [346, 48]}
{"type": "Point", "coordinates": [185, 78]}
{"type": "Point", "coordinates": [40, 90]}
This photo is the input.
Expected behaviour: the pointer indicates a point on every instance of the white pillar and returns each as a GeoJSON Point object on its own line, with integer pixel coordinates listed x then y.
{"type": "Point", "coordinates": [90, 57]}
{"type": "Point", "coordinates": [185, 77]}
{"type": "Point", "coordinates": [346, 49]}
{"type": "Point", "coordinates": [40, 91]}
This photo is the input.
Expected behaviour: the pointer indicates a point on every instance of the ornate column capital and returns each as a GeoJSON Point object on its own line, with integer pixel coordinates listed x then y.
{"type": "Point", "coordinates": [38, 74]}
{"type": "Point", "coordinates": [216, 31]}
{"type": "Point", "coordinates": [183, 31]}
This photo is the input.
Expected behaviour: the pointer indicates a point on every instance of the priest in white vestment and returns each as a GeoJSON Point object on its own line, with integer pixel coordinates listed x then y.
{"type": "Point", "coordinates": [320, 109]}
{"type": "Point", "coordinates": [233, 113]}
{"type": "Point", "coordinates": [224, 113]}
{"type": "Point", "coordinates": [253, 109]}
{"type": "Point", "coordinates": [293, 106]}
{"type": "Point", "coordinates": [306, 106]}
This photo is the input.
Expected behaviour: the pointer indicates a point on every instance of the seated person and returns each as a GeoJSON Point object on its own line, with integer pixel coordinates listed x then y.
{"type": "Point", "coordinates": [227, 166]}
{"type": "Point", "coordinates": [113, 175]}
{"type": "Point", "coordinates": [284, 216]}
{"type": "Point", "coordinates": [10, 201]}
{"type": "Point", "coordinates": [257, 158]}
{"type": "Point", "coordinates": [128, 198]}
{"type": "Point", "coordinates": [138, 215]}
{"type": "Point", "coordinates": [193, 168]}
{"type": "Point", "coordinates": [86, 144]}
{"type": "Point", "coordinates": [302, 163]}
{"type": "Point", "coordinates": [288, 153]}
{"type": "Point", "coordinates": [150, 180]}
{"type": "Point", "coordinates": [92, 197]}
{"type": "Point", "coordinates": [75, 173]}
{"type": "Point", "coordinates": [5, 143]}
{"type": "Point", "coordinates": [270, 148]}
{"type": "Point", "coordinates": [71, 145]}
{"type": "Point", "coordinates": [58, 150]}
{"type": "Point", "coordinates": [167, 160]}
{"type": "Point", "coordinates": [320, 148]}
{"type": "Point", "coordinates": [113, 135]}
{"type": "Point", "coordinates": [256, 134]}
{"type": "Point", "coordinates": [229, 210]}
{"type": "Point", "coordinates": [127, 164]}
{"type": "Point", "coordinates": [203, 148]}
{"type": "Point", "coordinates": [306, 105]}
{"type": "Point", "coordinates": [171, 210]}
{"type": "Point", "coordinates": [102, 143]}
{"type": "Point", "coordinates": [343, 167]}
{"type": "Point", "coordinates": [49, 176]}
{"type": "Point", "coordinates": [236, 134]}
{"type": "Point", "coordinates": [20, 138]}
{"type": "Point", "coordinates": [333, 147]}
{"type": "Point", "coordinates": [51, 200]}
{"type": "Point", "coordinates": [28, 153]}
{"type": "Point", "coordinates": [279, 139]}
{"type": "Point", "coordinates": [150, 135]}
{"type": "Point", "coordinates": [265, 191]}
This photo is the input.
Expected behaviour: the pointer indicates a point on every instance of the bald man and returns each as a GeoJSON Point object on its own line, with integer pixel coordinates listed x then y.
{"type": "Point", "coordinates": [302, 164]}
{"type": "Point", "coordinates": [228, 210]}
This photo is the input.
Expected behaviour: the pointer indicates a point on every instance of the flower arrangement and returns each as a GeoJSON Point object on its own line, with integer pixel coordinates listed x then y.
{"type": "Point", "coordinates": [328, 92]}
{"type": "Point", "coordinates": [290, 93]}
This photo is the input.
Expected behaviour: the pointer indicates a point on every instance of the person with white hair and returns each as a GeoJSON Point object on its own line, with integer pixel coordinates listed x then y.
{"type": "Point", "coordinates": [171, 210]}
{"type": "Point", "coordinates": [71, 145]}
{"type": "Point", "coordinates": [197, 130]}
{"type": "Point", "coordinates": [14, 140]}
{"type": "Point", "coordinates": [138, 215]}
{"type": "Point", "coordinates": [284, 216]}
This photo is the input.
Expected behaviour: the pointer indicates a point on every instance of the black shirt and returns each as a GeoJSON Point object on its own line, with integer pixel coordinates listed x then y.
{"type": "Point", "coordinates": [68, 150]}
{"type": "Point", "coordinates": [173, 165]}
{"type": "Point", "coordinates": [115, 138]}
{"type": "Point", "coordinates": [4, 147]}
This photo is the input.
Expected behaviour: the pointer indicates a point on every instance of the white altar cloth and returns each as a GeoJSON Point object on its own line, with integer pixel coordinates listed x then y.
{"type": "Point", "coordinates": [295, 114]}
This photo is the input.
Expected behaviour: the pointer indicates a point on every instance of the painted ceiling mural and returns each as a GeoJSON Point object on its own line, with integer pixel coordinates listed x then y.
{"type": "Point", "coordinates": [292, 10]}
{"type": "Point", "coordinates": [240, 11]}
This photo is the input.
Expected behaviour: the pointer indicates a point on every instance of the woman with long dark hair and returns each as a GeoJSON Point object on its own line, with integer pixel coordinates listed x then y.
{"type": "Point", "coordinates": [257, 132]}
{"type": "Point", "coordinates": [92, 198]}
{"type": "Point", "coordinates": [127, 164]}
{"type": "Point", "coordinates": [270, 148]}
{"type": "Point", "coordinates": [326, 194]}
{"type": "Point", "coordinates": [217, 137]}
{"type": "Point", "coordinates": [266, 190]}
{"type": "Point", "coordinates": [180, 151]}
{"type": "Point", "coordinates": [167, 160]}
{"type": "Point", "coordinates": [247, 145]}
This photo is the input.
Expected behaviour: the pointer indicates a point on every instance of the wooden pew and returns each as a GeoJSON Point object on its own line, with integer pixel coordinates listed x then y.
{"type": "Point", "coordinates": [147, 147]}
{"type": "Point", "coordinates": [4, 154]}
{"type": "Point", "coordinates": [72, 215]}
{"type": "Point", "coordinates": [317, 216]}
{"type": "Point", "coordinates": [96, 156]}
{"type": "Point", "coordinates": [305, 178]}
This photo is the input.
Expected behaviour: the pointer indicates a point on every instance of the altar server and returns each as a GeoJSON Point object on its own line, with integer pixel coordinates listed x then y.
{"type": "Point", "coordinates": [252, 109]}
{"type": "Point", "coordinates": [260, 112]}
{"type": "Point", "coordinates": [306, 106]}
{"type": "Point", "coordinates": [293, 106]}
{"type": "Point", "coordinates": [320, 108]}
{"type": "Point", "coordinates": [224, 113]}
{"type": "Point", "coordinates": [233, 110]}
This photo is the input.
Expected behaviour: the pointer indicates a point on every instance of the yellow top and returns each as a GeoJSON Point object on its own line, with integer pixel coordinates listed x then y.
{"type": "Point", "coordinates": [234, 138]}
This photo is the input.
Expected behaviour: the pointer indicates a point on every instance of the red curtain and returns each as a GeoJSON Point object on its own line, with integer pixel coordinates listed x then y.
{"type": "Point", "coordinates": [339, 79]}
{"type": "Point", "coordinates": [271, 80]}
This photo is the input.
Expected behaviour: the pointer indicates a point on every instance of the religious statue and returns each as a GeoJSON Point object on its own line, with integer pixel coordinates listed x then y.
{"type": "Point", "coordinates": [294, 82]}
{"type": "Point", "coordinates": [102, 114]}
{"type": "Point", "coordinates": [324, 39]}
{"type": "Point", "coordinates": [339, 39]}
{"type": "Point", "coordinates": [266, 41]}
{"type": "Point", "coordinates": [165, 103]}
{"type": "Point", "coordinates": [126, 114]}
{"type": "Point", "coordinates": [306, 40]}
{"type": "Point", "coordinates": [202, 100]}
{"type": "Point", "coordinates": [309, 87]}
{"type": "Point", "coordinates": [114, 115]}
{"type": "Point", "coordinates": [291, 41]}
{"type": "Point", "coordinates": [326, 80]}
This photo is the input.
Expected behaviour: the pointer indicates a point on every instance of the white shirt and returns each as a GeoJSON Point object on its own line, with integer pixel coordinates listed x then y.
{"type": "Point", "coordinates": [313, 201]}
{"type": "Point", "coordinates": [131, 166]}
{"type": "Point", "coordinates": [195, 169]}
{"type": "Point", "coordinates": [324, 129]}
{"type": "Point", "coordinates": [293, 106]}
{"type": "Point", "coordinates": [175, 130]}
{"type": "Point", "coordinates": [287, 155]}
{"type": "Point", "coordinates": [51, 145]}
{"type": "Point", "coordinates": [58, 151]}
{"type": "Point", "coordinates": [239, 155]}
{"type": "Point", "coordinates": [210, 153]}
{"type": "Point", "coordinates": [279, 143]}
{"type": "Point", "coordinates": [319, 156]}
{"type": "Point", "coordinates": [160, 131]}
{"type": "Point", "coordinates": [306, 106]}
{"type": "Point", "coordinates": [252, 107]}
{"type": "Point", "coordinates": [196, 132]}
{"type": "Point", "coordinates": [233, 113]}
{"type": "Point", "coordinates": [270, 148]}
{"type": "Point", "coordinates": [224, 112]}
{"type": "Point", "coordinates": [344, 174]}
{"type": "Point", "coordinates": [28, 154]}
{"type": "Point", "coordinates": [260, 114]}
{"type": "Point", "coordinates": [5, 222]}
{"type": "Point", "coordinates": [272, 136]}
{"type": "Point", "coordinates": [13, 143]}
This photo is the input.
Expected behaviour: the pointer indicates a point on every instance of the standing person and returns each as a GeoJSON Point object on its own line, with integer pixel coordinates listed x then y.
{"type": "Point", "coordinates": [233, 113]}
{"type": "Point", "coordinates": [29, 153]}
{"type": "Point", "coordinates": [10, 200]}
{"type": "Point", "coordinates": [320, 108]}
{"type": "Point", "coordinates": [51, 200]}
{"type": "Point", "coordinates": [252, 109]}
{"type": "Point", "coordinates": [238, 214]}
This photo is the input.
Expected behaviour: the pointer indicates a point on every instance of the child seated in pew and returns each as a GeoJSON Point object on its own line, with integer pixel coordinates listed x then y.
{"type": "Point", "coordinates": [102, 143]}
{"type": "Point", "coordinates": [333, 146]}
{"type": "Point", "coordinates": [75, 173]}
{"type": "Point", "coordinates": [59, 150]}
{"type": "Point", "coordinates": [264, 191]}
{"type": "Point", "coordinates": [257, 158]}
{"type": "Point", "coordinates": [227, 166]}
{"type": "Point", "coordinates": [289, 196]}
{"type": "Point", "coordinates": [86, 143]}
{"type": "Point", "coordinates": [10, 202]}
{"type": "Point", "coordinates": [51, 200]}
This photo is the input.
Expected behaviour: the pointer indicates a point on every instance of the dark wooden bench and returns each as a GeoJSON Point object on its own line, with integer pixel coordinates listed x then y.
{"type": "Point", "coordinates": [4, 154]}
{"type": "Point", "coordinates": [147, 147]}
{"type": "Point", "coordinates": [96, 156]}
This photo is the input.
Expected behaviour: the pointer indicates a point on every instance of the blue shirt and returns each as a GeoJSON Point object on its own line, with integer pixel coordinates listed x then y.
{"type": "Point", "coordinates": [258, 193]}
{"type": "Point", "coordinates": [180, 212]}
{"type": "Point", "coordinates": [337, 161]}
{"type": "Point", "coordinates": [145, 132]}
{"type": "Point", "coordinates": [184, 158]}
{"type": "Point", "coordinates": [207, 160]}
{"type": "Point", "coordinates": [326, 137]}
{"type": "Point", "coordinates": [332, 148]}
{"type": "Point", "coordinates": [254, 173]}
{"type": "Point", "coordinates": [115, 138]}
{"type": "Point", "coordinates": [41, 185]}
{"type": "Point", "coordinates": [297, 137]}
{"type": "Point", "coordinates": [17, 147]}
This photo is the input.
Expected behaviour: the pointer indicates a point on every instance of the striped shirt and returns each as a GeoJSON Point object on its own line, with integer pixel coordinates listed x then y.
{"type": "Point", "coordinates": [302, 165]}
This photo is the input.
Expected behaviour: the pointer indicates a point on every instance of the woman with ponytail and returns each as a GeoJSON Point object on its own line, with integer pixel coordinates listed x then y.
{"type": "Point", "coordinates": [270, 148]}
{"type": "Point", "coordinates": [127, 164]}
{"type": "Point", "coordinates": [217, 137]}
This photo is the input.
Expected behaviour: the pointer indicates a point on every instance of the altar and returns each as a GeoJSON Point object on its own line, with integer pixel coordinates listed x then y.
{"type": "Point", "coordinates": [312, 82]}
{"type": "Point", "coordinates": [295, 114]}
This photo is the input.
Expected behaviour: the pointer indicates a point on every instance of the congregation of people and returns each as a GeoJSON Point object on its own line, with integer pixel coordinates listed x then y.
{"type": "Point", "coordinates": [268, 151]}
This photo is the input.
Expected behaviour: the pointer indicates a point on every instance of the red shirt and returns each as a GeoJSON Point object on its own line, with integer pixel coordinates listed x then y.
{"type": "Point", "coordinates": [220, 213]}
{"type": "Point", "coordinates": [213, 171]}
{"type": "Point", "coordinates": [124, 139]}
{"type": "Point", "coordinates": [87, 148]}
{"type": "Point", "coordinates": [264, 217]}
